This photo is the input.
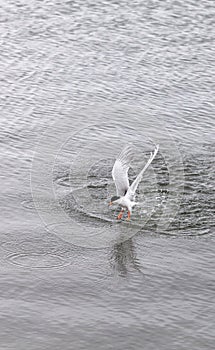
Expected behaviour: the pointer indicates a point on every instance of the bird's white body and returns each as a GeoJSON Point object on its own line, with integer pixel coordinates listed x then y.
{"type": "Point", "coordinates": [125, 192]}
{"type": "Point", "coordinates": [125, 202]}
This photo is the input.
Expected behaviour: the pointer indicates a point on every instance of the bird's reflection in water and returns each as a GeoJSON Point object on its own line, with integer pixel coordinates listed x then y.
{"type": "Point", "coordinates": [123, 258]}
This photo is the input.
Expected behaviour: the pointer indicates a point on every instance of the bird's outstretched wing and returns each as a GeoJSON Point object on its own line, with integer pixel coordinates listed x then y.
{"type": "Point", "coordinates": [120, 171]}
{"type": "Point", "coordinates": [132, 189]}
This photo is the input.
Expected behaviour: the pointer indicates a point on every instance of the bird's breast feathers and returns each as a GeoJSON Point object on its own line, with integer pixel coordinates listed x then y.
{"type": "Point", "coordinates": [125, 202]}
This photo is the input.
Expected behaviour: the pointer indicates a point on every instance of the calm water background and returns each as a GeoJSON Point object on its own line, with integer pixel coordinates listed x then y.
{"type": "Point", "coordinates": [92, 76]}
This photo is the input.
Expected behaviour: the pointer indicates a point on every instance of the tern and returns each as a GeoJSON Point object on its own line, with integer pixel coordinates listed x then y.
{"type": "Point", "coordinates": [126, 194]}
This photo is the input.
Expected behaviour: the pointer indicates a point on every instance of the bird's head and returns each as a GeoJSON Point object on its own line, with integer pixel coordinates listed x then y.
{"type": "Point", "coordinates": [114, 200]}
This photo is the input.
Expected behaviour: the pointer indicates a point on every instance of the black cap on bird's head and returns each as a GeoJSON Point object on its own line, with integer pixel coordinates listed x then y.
{"type": "Point", "coordinates": [113, 199]}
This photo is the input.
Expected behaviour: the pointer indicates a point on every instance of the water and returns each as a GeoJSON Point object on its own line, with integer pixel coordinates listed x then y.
{"type": "Point", "coordinates": [79, 80]}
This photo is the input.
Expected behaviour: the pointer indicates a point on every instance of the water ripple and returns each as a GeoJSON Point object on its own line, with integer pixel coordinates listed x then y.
{"type": "Point", "coordinates": [38, 261]}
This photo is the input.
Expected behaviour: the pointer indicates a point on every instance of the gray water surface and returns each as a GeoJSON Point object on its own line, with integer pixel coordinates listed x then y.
{"type": "Point", "coordinates": [80, 80]}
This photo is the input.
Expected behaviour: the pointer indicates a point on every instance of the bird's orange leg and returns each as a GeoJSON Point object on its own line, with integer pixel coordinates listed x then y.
{"type": "Point", "coordinates": [120, 214]}
{"type": "Point", "coordinates": [129, 215]}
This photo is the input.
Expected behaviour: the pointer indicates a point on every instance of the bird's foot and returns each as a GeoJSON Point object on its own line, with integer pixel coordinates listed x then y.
{"type": "Point", "coordinates": [120, 215]}
{"type": "Point", "coordinates": [129, 216]}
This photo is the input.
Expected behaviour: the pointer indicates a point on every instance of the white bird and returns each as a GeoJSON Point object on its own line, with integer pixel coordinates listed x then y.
{"type": "Point", "coordinates": [126, 194]}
